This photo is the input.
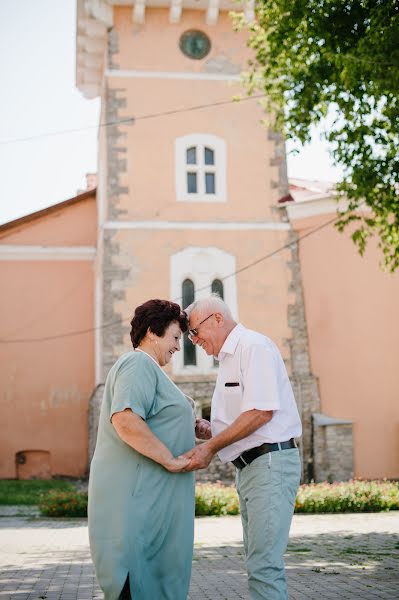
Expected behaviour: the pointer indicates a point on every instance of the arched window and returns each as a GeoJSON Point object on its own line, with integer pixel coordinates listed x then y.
{"type": "Point", "coordinates": [201, 168]}
{"type": "Point", "coordinates": [189, 350]}
{"type": "Point", "coordinates": [193, 269]}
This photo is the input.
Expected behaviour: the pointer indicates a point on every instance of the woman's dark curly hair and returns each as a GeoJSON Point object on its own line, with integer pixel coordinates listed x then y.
{"type": "Point", "coordinates": [156, 315]}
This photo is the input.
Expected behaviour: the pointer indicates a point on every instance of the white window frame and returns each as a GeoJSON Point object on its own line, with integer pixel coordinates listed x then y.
{"type": "Point", "coordinates": [202, 266]}
{"type": "Point", "coordinates": [200, 141]}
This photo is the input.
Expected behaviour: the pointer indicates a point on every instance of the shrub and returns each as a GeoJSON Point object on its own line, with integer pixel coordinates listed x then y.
{"type": "Point", "coordinates": [350, 496]}
{"type": "Point", "coordinates": [215, 500]}
{"type": "Point", "coordinates": [64, 504]}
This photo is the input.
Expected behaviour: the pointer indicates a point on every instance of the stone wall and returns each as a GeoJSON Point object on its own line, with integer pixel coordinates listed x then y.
{"type": "Point", "coordinates": [114, 275]}
{"type": "Point", "coordinates": [333, 448]}
{"type": "Point", "coordinates": [304, 383]}
{"type": "Point", "coordinates": [94, 416]}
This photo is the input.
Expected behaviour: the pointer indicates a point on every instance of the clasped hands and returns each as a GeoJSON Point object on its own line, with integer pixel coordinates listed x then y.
{"type": "Point", "coordinates": [200, 456]}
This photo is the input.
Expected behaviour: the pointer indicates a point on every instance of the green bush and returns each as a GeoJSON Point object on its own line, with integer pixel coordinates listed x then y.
{"type": "Point", "coordinates": [214, 499]}
{"type": "Point", "coordinates": [64, 504]}
{"type": "Point", "coordinates": [350, 496]}
{"type": "Point", "coordinates": [29, 492]}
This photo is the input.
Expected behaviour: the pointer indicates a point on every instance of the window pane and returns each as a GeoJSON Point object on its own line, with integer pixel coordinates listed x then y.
{"type": "Point", "coordinates": [217, 288]}
{"type": "Point", "coordinates": [188, 293]}
{"type": "Point", "coordinates": [189, 351]}
{"type": "Point", "coordinates": [191, 156]}
{"type": "Point", "coordinates": [209, 157]}
{"type": "Point", "coordinates": [209, 183]}
{"type": "Point", "coordinates": [192, 183]}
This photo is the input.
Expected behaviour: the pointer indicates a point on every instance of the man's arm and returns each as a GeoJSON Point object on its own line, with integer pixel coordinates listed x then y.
{"type": "Point", "coordinates": [244, 425]}
{"type": "Point", "coordinates": [135, 432]}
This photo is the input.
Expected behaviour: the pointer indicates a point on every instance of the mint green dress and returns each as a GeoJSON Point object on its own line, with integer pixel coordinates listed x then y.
{"type": "Point", "coordinates": [141, 516]}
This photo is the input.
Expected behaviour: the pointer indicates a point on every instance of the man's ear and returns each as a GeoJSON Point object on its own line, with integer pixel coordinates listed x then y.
{"type": "Point", "coordinates": [219, 319]}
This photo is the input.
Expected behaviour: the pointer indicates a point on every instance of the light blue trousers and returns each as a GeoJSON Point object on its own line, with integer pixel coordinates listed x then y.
{"type": "Point", "coordinates": [267, 489]}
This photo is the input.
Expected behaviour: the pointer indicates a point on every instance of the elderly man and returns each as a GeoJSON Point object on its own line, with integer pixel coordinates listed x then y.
{"type": "Point", "coordinates": [254, 423]}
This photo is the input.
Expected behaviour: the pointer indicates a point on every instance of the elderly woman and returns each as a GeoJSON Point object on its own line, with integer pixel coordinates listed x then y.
{"type": "Point", "coordinates": [141, 503]}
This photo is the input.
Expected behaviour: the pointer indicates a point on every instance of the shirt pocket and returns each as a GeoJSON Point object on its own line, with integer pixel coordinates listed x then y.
{"type": "Point", "coordinates": [232, 397]}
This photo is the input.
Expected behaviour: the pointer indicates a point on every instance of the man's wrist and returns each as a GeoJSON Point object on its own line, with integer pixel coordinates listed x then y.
{"type": "Point", "coordinates": [212, 445]}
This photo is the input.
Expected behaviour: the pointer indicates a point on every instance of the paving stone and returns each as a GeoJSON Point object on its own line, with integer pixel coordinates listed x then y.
{"type": "Point", "coordinates": [329, 557]}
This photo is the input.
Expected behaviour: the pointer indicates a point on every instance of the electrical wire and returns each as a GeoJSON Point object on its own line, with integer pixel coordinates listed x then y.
{"type": "Point", "coordinates": [238, 271]}
{"type": "Point", "coordinates": [131, 120]}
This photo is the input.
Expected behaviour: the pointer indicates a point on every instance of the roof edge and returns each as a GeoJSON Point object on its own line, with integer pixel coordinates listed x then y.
{"type": "Point", "coordinates": [48, 210]}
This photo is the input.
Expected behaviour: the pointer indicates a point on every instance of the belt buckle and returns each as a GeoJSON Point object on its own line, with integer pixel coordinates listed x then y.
{"type": "Point", "coordinates": [243, 460]}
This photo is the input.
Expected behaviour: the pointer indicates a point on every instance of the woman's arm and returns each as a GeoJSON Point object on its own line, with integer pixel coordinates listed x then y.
{"type": "Point", "coordinates": [135, 432]}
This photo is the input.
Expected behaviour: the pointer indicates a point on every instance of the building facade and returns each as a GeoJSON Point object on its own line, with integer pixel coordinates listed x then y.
{"type": "Point", "coordinates": [189, 183]}
{"type": "Point", "coordinates": [192, 198]}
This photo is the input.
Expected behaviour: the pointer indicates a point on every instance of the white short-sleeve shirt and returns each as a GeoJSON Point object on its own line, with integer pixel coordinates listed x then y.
{"type": "Point", "coordinates": [252, 375]}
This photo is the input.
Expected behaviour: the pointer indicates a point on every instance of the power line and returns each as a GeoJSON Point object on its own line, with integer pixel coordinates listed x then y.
{"type": "Point", "coordinates": [131, 120]}
{"type": "Point", "coordinates": [241, 270]}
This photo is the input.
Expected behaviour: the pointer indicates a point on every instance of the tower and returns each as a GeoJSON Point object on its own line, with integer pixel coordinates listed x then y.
{"type": "Point", "coordinates": [189, 180]}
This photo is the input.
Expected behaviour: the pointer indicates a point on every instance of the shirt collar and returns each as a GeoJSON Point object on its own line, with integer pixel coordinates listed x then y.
{"type": "Point", "coordinates": [230, 343]}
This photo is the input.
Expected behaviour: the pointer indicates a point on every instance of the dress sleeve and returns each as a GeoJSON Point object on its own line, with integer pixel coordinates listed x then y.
{"type": "Point", "coordinates": [260, 379]}
{"type": "Point", "coordinates": [134, 387]}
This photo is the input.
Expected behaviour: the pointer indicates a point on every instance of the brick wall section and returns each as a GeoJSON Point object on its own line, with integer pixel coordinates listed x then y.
{"type": "Point", "coordinates": [304, 383]}
{"type": "Point", "coordinates": [94, 416]}
{"type": "Point", "coordinates": [333, 446]}
{"type": "Point", "coordinates": [298, 365]}
{"type": "Point", "coordinates": [113, 272]}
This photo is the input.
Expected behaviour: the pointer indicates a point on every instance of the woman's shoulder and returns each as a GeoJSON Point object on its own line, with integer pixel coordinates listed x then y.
{"type": "Point", "coordinates": [135, 361]}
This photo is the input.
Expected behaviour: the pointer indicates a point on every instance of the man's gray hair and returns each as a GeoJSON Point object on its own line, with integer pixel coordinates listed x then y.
{"type": "Point", "coordinates": [212, 303]}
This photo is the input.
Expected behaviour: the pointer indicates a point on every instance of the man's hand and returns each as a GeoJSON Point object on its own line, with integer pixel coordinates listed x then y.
{"type": "Point", "coordinates": [200, 457]}
{"type": "Point", "coordinates": [203, 429]}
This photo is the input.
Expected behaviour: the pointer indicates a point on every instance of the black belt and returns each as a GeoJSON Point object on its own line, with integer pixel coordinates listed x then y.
{"type": "Point", "coordinates": [249, 455]}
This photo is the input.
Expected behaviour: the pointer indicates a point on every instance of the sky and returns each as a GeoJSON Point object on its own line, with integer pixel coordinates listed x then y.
{"type": "Point", "coordinates": [38, 97]}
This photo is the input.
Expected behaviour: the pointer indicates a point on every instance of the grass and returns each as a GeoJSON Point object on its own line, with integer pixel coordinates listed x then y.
{"type": "Point", "coordinates": [25, 493]}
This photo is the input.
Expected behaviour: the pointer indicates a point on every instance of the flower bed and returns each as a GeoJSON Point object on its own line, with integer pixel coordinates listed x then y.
{"type": "Point", "coordinates": [215, 499]}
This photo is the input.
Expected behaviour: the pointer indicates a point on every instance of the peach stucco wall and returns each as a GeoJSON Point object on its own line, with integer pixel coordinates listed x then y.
{"type": "Point", "coordinates": [45, 386]}
{"type": "Point", "coordinates": [262, 290]}
{"type": "Point", "coordinates": [150, 156]}
{"type": "Point", "coordinates": [353, 323]}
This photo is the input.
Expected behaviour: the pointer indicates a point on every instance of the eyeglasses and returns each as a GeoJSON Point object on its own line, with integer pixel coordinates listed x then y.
{"type": "Point", "coordinates": [194, 332]}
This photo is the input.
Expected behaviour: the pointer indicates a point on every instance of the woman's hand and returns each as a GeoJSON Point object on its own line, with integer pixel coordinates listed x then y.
{"type": "Point", "coordinates": [203, 429]}
{"type": "Point", "coordinates": [176, 464]}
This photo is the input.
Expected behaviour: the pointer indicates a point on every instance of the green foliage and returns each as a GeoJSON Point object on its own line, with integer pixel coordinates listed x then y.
{"type": "Point", "coordinates": [213, 499]}
{"type": "Point", "coordinates": [351, 496]}
{"type": "Point", "coordinates": [314, 58]}
{"type": "Point", "coordinates": [64, 504]}
{"type": "Point", "coordinates": [21, 492]}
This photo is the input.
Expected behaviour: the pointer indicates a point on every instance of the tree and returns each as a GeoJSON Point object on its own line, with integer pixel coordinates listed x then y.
{"type": "Point", "coordinates": [338, 57]}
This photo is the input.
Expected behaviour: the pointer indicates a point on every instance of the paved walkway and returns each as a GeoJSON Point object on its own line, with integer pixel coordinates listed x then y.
{"type": "Point", "coordinates": [329, 557]}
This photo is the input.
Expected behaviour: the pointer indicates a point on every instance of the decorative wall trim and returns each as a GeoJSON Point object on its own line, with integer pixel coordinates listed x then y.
{"type": "Point", "coordinates": [322, 205]}
{"type": "Point", "coordinates": [202, 225]}
{"type": "Point", "coordinates": [170, 75]}
{"type": "Point", "coordinates": [27, 252]}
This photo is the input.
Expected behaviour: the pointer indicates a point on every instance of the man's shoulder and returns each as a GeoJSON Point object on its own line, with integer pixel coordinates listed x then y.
{"type": "Point", "coordinates": [249, 338]}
